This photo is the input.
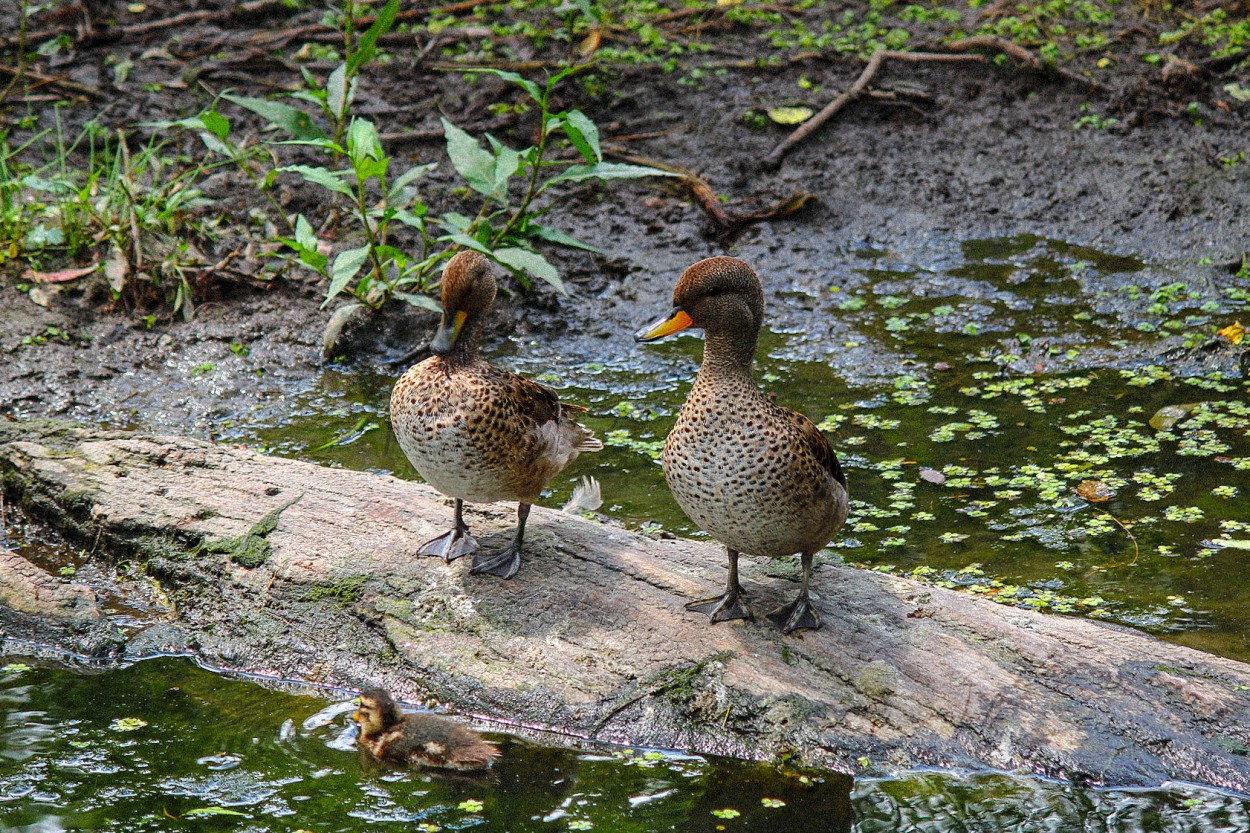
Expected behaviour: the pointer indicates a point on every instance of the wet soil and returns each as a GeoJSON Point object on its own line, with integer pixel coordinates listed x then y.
{"type": "Point", "coordinates": [995, 154]}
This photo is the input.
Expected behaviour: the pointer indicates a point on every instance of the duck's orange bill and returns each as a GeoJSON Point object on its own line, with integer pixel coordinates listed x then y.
{"type": "Point", "coordinates": [675, 323]}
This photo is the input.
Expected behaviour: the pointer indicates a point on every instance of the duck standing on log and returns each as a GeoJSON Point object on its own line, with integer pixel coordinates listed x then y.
{"type": "Point", "coordinates": [759, 478]}
{"type": "Point", "coordinates": [423, 740]}
{"type": "Point", "coordinates": [475, 432]}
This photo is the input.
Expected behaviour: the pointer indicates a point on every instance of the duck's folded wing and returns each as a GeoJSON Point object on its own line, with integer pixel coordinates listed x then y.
{"type": "Point", "coordinates": [817, 444]}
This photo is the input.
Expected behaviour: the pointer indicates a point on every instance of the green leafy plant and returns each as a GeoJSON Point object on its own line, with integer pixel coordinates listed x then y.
{"type": "Point", "coordinates": [358, 174]}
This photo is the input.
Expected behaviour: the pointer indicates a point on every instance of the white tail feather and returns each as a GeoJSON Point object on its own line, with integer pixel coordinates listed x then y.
{"type": "Point", "coordinates": [586, 497]}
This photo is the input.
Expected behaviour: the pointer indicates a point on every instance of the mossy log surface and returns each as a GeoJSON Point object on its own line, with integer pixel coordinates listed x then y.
{"type": "Point", "coordinates": [281, 567]}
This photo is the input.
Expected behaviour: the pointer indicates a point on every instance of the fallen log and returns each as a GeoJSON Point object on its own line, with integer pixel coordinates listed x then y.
{"type": "Point", "coordinates": [282, 567]}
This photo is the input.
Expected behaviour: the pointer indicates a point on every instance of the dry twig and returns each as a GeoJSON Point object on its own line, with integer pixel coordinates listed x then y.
{"type": "Point", "coordinates": [773, 160]}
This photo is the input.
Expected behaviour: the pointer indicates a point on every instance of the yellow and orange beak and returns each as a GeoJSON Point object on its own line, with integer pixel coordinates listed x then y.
{"type": "Point", "coordinates": [448, 333]}
{"type": "Point", "coordinates": [675, 323]}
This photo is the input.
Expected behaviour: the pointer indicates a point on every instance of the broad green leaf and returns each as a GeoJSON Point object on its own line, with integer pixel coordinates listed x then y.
{"type": "Point", "coordinates": [336, 91]}
{"type": "Point", "coordinates": [1231, 543]}
{"type": "Point", "coordinates": [346, 266]}
{"type": "Point", "coordinates": [584, 135]}
{"type": "Point", "coordinates": [418, 300]}
{"type": "Point", "coordinates": [367, 46]}
{"type": "Point", "coordinates": [410, 218]}
{"type": "Point", "coordinates": [407, 178]}
{"type": "Point", "coordinates": [332, 180]}
{"type": "Point", "coordinates": [363, 141]}
{"type": "Point", "coordinates": [506, 164]}
{"type": "Point", "coordinates": [470, 160]}
{"type": "Point", "coordinates": [559, 238]}
{"type": "Point", "coordinates": [607, 170]}
{"type": "Point", "coordinates": [216, 123]}
{"type": "Point", "coordinates": [214, 144]}
{"type": "Point", "coordinates": [531, 89]}
{"type": "Point", "coordinates": [370, 168]}
{"type": "Point", "coordinates": [455, 221]}
{"type": "Point", "coordinates": [468, 242]}
{"type": "Point", "coordinates": [304, 234]}
{"type": "Point", "coordinates": [531, 262]}
{"type": "Point", "coordinates": [293, 121]}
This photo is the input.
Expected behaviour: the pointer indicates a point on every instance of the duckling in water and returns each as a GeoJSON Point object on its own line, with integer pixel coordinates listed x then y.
{"type": "Point", "coordinates": [760, 478]}
{"type": "Point", "coordinates": [423, 740]}
{"type": "Point", "coordinates": [475, 432]}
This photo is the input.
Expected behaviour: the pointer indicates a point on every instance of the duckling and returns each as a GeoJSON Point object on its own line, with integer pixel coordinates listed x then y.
{"type": "Point", "coordinates": [759, 478]}
{"type": "Point", "coordinates": [423, 740]}
{"type": "Point", "coordinates": [478, 433]}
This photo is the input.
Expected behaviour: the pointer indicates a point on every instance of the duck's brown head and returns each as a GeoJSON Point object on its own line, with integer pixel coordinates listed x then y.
{"type": "Point", "coordinates": [375, 711]}
{"type": "Point", "coordinates": [468, 292]}
{"type": "Point", "coordinates": [720, 295]}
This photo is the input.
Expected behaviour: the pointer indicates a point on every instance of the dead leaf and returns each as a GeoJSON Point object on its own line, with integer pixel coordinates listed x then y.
{"type": "Point", "coordinates": [1095, 491]}
{"type": "Point", "coordinates": [591, 43]}
{"type": "Point", "coordinates": [932, 475]}
{"type": "Point", "coordinates": [790, 115]}
{"type": "Point", "coordinates": [59, 277]}
{"type": "Point", "coordinates": [1169, 415]}
{"type": "Point", "coordinates": [116, 269]}
{"type": "Point", "coordinates": [1234, 333]}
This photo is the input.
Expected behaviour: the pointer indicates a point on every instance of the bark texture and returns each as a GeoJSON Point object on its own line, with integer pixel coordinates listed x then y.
{"type": "Point", "coordinates": [281, 567]}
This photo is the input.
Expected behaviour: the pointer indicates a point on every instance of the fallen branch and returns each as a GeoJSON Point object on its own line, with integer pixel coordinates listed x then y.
{"type": "Point", "coordinates": [17, 73]}
{"type": "Point", "coordinates": [773, 160]}
{"type": "Point", "coordinates": [707, 199]}
{"type": "Point", "coordinates": [1014, 50]}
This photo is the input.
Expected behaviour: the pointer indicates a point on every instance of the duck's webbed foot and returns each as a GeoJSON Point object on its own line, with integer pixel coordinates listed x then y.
{"type": "Point", "coordinates": [503, 563]}
{"type": "Point", "coordinates": [729, 605]}
{"type": "Point", "coordinates": [507, 561]}
{"type": "Point", "coordinates": [450, 545]}
{"type": "Point", "coordinates": [795, 616]}
{"type": "Point", "coordinates": [453, 543]}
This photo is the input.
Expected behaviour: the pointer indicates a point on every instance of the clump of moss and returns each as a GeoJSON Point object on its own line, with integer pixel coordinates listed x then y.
{"type": "Point", "coordinates": [252, 548]}
{"type": "Point", "coordinates": [343, 591]}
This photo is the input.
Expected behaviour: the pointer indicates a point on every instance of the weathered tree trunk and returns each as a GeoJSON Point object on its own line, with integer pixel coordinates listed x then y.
{"type": "Point", "coordinates": [283, 567]}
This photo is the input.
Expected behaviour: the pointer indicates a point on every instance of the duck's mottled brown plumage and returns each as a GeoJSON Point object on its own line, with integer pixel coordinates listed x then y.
{"type": "Point", "coordinates": [758, 477]}
{"type": "Point", "coordinates": [417, 739]}
{"type": "Point", "coordinates": [475, 432]}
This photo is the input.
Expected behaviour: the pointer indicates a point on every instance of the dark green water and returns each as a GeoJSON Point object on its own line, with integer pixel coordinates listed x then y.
{"type": "Point", "coordinates": [163, 746]}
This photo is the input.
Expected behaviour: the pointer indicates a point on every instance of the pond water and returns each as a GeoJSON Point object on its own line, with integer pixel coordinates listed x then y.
{"type": "Point", "coordinates": [1019, 370]}
{"type": "Point", "coordinates": [163, 745]}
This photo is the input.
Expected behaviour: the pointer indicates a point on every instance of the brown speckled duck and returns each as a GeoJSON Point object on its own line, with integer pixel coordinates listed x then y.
{"type": "Point", "coordinates": [417, 739]}
{"type": "Point", "coordinates": [759, 478]}
{"type": "Point", "coordinates": [475, 432]}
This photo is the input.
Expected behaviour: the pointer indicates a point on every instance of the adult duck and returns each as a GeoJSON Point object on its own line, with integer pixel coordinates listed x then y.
{"type": "Point", "coordinates": [759, 478]}
{"type": "Point", "coordinates": [475, 432]}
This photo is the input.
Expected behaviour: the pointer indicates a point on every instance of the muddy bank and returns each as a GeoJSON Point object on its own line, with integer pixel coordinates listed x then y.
{"type": "Point", "coordinates": [281, 567]}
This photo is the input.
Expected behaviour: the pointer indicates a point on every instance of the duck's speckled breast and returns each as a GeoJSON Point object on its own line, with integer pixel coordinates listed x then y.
{"type": "Point", "coordinates": [742, 471]}
{"type": "Point", "coordinates": [481, 434]}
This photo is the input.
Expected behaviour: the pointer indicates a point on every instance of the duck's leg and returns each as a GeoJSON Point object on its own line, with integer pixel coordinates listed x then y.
{"type": "Point", "coordinates": [507, 561]}
{"type": "Point", "coordinates": [799, 613]}
{"type": "Point", "coordinates": [729, 605]}
{"type": "Point", "coordinates": [453, 543]}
